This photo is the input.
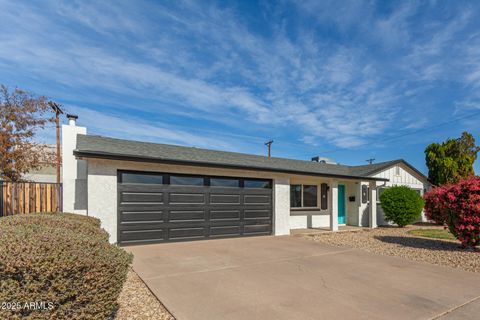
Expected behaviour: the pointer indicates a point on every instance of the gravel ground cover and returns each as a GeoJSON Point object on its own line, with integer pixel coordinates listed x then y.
{"type": "Point", "coordinates": [398, 242]}
{"type": "Point", "coordinates": [137, 302]}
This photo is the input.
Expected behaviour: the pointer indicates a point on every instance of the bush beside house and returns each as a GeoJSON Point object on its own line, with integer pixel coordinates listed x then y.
{"type": "Point", "coordinates": [458, 206]}
{"type": "Point", "coordinates": [63, 261]}
{"type": "Point", "coordinates": [434, 201]}
{"type": "Point", "coordinates": [401, 205]}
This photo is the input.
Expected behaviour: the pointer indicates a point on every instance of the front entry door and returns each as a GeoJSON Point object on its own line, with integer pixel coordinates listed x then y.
{"type": "Point", "coordinates": [341, 204]}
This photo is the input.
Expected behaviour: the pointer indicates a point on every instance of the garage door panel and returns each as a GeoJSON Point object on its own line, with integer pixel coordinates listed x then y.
{"type": "Point", "coordinates": [140, 197]}
{"type": "Point", "coordinates": [183, 233]}
{"type": "Point", "coordinates": [233, 230]}
{"type": "Point", "coordinates": [218, 215]}
{"type": "Point", "coordinates": [143, 215]}
{"type": "Point", "coordinates": [257, 228]}
{"type": "Point", "coordinates": [142, 235]}
{"type": "Point", "coordinates": [256, 199]}
{"type": "Point", "coordinates": [186, 198]}
{"type": "Point", "coordinates": [142, 225]}
{"type": "Point", "coordinates": [222, 199]}
{"type": "Point", "coordinates": [257, 214]}
{"type": "Point", "coordinates": [187, 215]}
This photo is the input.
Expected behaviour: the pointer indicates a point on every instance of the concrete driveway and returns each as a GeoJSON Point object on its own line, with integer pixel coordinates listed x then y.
{"type": "Point", "coordinates": [294, 278]}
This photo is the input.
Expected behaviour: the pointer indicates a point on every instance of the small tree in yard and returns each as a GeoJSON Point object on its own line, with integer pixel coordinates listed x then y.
{"type": "Point", "coordinates": [21, 115]}
{"type": "Point", "coordinates": [452, 160]}
{"type": "Point", "coordinates": [458, 206]}
{"type": "Point", "coordinates": [401, 205]}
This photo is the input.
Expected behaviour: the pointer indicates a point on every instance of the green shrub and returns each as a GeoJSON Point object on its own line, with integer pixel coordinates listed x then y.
{"type": "Point", "coordinates": [62, 259]}
{"type": "Point", "coordinates": [401, 205]}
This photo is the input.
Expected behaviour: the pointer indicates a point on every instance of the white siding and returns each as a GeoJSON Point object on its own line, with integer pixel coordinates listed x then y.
{"type": "Point", "coordinates": [406, 177]}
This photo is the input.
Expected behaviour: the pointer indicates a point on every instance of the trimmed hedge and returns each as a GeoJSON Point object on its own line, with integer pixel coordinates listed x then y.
{"type": "Point", "coordinates": [401, 205]}
{"type": "Point", "coordinates": [62, 262]}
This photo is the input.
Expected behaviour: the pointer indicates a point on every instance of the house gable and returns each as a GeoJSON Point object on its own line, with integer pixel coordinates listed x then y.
{"type": "Point", "coordinates": [402, 173]}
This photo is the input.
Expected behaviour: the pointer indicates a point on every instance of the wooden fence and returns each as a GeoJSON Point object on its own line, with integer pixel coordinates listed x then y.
{"type": "Point", "coordinates": [26, 197]}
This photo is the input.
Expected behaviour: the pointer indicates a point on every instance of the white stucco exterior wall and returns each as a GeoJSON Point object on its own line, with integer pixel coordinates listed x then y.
{"type": "Point", "coordinates": [281, 206]}
{"type": "Point", "coordinates": [74, 172]}
{"type": "Point", "coordinates": [303, 218]}
{"type": "Point", "coordinates": [372, 212]}
{"type": "Point", "coordinates": [362, 208]}
{"type": "Point", "coordinates": [102, 195]}
{"type": "Point", "coordinates": [334, 202]}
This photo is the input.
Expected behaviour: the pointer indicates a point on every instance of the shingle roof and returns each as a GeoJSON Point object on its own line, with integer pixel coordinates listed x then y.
{"type": "Point", "coordinates": [91, 146]}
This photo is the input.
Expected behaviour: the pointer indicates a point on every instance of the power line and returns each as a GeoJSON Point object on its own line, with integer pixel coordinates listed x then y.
{"type": "Point", "coordinates": [425, 129]}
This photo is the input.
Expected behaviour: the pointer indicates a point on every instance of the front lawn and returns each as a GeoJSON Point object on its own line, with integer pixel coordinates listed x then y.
{"type": "Point", "coordinates": [433, 233]}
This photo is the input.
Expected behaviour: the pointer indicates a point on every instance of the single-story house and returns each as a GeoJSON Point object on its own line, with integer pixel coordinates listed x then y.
{"type": "Point", "coordinates": [148, 192]}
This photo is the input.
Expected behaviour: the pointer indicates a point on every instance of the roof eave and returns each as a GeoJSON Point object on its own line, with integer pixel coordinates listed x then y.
{"type": "Point", "coordinates": [111, 156]}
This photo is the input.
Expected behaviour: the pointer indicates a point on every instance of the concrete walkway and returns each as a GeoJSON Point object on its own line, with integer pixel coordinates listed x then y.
{"type": "Point", "coordinates": [294, 278]}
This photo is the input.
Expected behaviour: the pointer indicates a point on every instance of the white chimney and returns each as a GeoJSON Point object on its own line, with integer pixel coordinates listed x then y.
{"type": "Point", "coordinates": [74, 172]}
{"type": "Point", "coordinates": [72, 119]}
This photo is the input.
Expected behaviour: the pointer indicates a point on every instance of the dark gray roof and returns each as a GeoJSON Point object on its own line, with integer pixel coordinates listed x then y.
{"type": "Point", "coordinates": [371, 169]}
{"type": "Point", "coordinates": [91, 146]}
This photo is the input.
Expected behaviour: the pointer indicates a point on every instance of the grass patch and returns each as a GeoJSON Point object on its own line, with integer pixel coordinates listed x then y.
{"type": "Point", "coordinates": [433, 233]}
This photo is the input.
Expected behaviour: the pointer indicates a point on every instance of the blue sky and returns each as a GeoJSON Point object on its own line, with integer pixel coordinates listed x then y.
{"type": "Point", "coordinates": [348, 80]}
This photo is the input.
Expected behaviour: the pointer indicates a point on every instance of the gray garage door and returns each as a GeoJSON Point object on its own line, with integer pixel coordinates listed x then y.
{"type": "Point", "coordinates": [159, 207]}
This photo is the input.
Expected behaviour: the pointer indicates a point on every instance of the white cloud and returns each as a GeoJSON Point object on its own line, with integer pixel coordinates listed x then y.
{"type": "Point", "coordinates": [203, 62]}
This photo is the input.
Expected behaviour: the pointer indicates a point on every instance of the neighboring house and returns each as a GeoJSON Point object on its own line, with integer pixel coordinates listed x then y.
{"type": "Point", "coordinates": [47, 173]}
{"type": "Point", "coordinates": [147, 192]}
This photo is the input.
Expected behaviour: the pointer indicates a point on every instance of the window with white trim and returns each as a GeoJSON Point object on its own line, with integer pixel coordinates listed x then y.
{"type": "Point", "coordinates": [303, 196]}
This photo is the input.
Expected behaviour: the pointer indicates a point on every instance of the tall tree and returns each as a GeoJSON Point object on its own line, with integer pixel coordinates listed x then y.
{"type": "Point", "coordinates": [22, 114]}
{"type": "Point", "coordinates": [451, 160]}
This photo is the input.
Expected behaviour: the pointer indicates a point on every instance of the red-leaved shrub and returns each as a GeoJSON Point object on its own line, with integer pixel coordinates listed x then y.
{"type": "Point", "coordinates": [434, 202]}
{"type": "Point", "coordinates": [457, 205]}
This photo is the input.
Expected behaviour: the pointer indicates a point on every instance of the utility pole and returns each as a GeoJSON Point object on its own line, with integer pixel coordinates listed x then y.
{"type": "Point", "coordinates": [269, 145]}
{"type": "Point", "coordinates": [370, 161]}
{"type": "Point", "coordinates": [56, 108]}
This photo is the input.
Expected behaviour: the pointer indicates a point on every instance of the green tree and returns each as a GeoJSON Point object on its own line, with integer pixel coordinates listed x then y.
{"type": "Point", "coordinates": [452, 160]}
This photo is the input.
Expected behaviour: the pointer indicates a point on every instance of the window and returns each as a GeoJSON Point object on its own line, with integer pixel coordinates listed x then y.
{"type": "Point", "coordinates": [419, 191]}
{"type": "Point", "coordinates": [303, 196]}
{"type": "Point", "coordinates": [186, 180]}
{"type": "Point", "coordinates": [146, 178]}
{"type": "Point", "coordinates": [259, 184]}
{"type": "Point", "coordinates": [379, 192]}
{"type": "Point", "coordinates": [397, 170]}
{"type": "Point", "coordinates": [295, 196]}
{"type": "Point", "coordinates": [224, 182]}
{"type": "Point", "coordinates": [310, 196]}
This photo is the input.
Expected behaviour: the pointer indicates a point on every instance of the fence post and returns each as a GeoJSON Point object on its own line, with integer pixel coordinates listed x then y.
{"type": "Point", "coordinates": [1, 198]}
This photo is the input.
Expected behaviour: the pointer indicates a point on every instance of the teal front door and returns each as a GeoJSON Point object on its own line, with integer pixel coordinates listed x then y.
{"type": "Point", "coordinates": [341, 204]}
